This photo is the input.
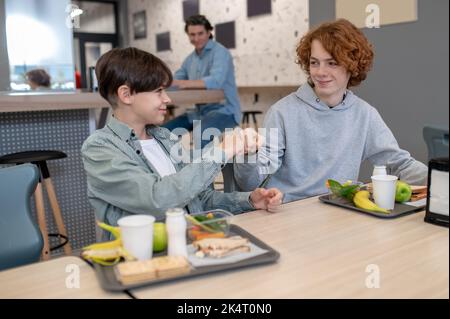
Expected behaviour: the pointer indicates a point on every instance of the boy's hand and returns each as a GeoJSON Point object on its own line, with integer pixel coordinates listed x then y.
{"type": "Point", "coordinates": [268, 199]}
{"type": "Point", "coordinates": [240, 142]}
{"type": "Point", "coordinates": [252, 140]}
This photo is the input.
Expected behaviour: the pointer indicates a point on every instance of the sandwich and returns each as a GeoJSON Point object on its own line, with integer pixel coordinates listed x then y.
{"type": "Point", "coordinates": [221, 247]}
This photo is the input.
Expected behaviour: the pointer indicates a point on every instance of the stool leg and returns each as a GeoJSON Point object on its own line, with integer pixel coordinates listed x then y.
{"type": "Point", "coordinates": [40, 212]}
{"type": "Point", "coordinates": [57, 212]}
{"type": "Point", "coordinates": [255, 122]}
{"type": "Point", "coordinates": [244, 124]}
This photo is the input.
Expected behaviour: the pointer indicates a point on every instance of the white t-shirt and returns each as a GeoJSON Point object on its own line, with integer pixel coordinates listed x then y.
{"type": "Point", "coordinates": [157, 157]}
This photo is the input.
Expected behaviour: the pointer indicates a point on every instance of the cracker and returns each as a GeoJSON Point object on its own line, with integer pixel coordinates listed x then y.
{"type": "Point", "coordinates": [159, 267]}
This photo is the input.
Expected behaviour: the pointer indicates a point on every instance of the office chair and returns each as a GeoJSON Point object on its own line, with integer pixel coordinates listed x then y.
{"type": "Point", "coordinates": [21, 241]}
{"type": "Point", "coordinates": [436, 138]}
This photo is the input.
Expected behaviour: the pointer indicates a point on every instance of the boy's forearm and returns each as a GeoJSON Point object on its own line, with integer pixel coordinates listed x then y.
{"type": "Point", "coordinates": [236, 202]}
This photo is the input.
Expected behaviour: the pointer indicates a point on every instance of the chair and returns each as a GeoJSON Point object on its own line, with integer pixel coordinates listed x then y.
{"type": "Point", "coordinates": [40, 159]}
{"type": "Point", "coordinates": [436, 138]}
{"type": "Point", "coordinates": [21, 241]}
{"type": "Point", "coordinates": [246, 118]}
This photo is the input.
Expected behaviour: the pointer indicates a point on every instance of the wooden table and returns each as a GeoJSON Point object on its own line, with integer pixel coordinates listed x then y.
{"type": "Point", "coordinates": [326, 252]}
{"type": "Point", "coordinates": [57, 278]}
{"type": "Point", "coordinates": [330, 252]}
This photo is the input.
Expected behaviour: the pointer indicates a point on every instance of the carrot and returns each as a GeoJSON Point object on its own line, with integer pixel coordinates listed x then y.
{"type": "Point", "coordinates": [209, 235]}
{"type": "Point", "coordinates": [195, 232]}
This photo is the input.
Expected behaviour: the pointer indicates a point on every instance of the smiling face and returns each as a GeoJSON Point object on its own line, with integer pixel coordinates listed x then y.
{"type": "Point", "coordinates": [150, 107]}
{"type": "Point", "coordinates": [198, 36]}
{"type": "Point", "coordinates": [330, 79]}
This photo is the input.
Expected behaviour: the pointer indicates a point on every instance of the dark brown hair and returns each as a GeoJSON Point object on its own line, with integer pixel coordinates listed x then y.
{"type": "Point", "coordinates": [139, 70]}
{"type": "Point", "coordinates": [346, 44]}
{"type": "Point", "coordinates": [199, 20]}
{"type": "Point", "coordinates": [38, 76]}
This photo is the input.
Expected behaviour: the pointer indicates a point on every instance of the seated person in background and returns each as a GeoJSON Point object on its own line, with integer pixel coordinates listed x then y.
{"type": "Point", "coordinates": [209, 66]}
{"type": "Point", "coordinates": [133, 166]}
{"type": "Point", "coordinates": [323, 130]}
{"type": "Point", "coordinates": [38, 79]}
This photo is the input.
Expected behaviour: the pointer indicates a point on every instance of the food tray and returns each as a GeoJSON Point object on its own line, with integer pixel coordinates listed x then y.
{"type": "Point", "coordinates": [108, 280]}
{"type": "Point", "coordinates": [399, 209]}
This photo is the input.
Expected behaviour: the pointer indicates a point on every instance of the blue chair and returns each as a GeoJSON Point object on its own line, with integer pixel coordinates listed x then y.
{"type": "Point", "coordinates": [21, 241]}
{"type": "Point", "coordinates": [436, 138]}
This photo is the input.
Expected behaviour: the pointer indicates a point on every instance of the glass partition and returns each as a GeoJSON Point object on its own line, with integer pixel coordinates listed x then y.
{"type": "Point", "coordinates": [39, 37]}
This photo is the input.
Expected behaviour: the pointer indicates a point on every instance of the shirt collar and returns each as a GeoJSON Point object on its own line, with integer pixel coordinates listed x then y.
{"type": "Point", "coordinates": [209, 45]}
{"type": "Point", "coordinates": [126, 133]}
{"type": "Point", "coordinates": [121, 129]}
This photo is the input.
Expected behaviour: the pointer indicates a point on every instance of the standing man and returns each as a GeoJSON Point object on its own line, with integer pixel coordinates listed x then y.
{"type": "Point", "coordinates": [209, 66]}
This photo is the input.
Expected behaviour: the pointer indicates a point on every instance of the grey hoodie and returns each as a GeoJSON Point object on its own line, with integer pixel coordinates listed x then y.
{"type": "Point", "coordinates": [314, 142]}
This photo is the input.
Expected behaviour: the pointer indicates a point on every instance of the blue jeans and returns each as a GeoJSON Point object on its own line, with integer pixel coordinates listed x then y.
{"type": "Point", "coordinates": [212, 119]}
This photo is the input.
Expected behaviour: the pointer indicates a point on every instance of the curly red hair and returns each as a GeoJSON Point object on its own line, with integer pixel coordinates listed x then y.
{"type": "Point", "coordinates": [346, 44]}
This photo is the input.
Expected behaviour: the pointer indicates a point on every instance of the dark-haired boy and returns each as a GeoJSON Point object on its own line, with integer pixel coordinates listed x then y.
{"type": "Point", "coordinates": [132, 165]}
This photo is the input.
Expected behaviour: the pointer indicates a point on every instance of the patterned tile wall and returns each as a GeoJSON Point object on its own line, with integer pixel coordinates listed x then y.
{"type": "Point", "coordinates": [265, 52]}
{"type": "Point", "coordinates": [64, 131]}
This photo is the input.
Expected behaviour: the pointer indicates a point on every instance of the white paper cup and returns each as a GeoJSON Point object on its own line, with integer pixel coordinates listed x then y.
{"type": "Point", "coordinates": [137, 235]}
{"type": "Point", "coordinates": [384, 187]}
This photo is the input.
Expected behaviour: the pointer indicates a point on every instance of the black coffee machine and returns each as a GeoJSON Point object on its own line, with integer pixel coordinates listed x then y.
{"type": "Point", "coordinates": [437, 197]}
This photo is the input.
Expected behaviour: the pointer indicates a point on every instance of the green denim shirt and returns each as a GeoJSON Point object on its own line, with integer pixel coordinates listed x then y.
{"type": "Point", "coordinates": [121, 181]}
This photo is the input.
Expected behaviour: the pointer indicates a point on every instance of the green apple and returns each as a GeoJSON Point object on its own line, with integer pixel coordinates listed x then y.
{"type": "Point", "coordinates": [402, 192]}
{"type": "Point", "coordinates": [159, 237]}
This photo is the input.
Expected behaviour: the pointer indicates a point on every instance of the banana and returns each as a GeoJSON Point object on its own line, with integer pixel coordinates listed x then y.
{"type": "Point", "coordinates": [109, 244]}
{"type": "Point", "coordinates": [113, 230]}
{"type": "Point", "coordinates": [105, 245]}
{"type": "Point", "coordinates": [107, 253]}
{"type": "Point", "coordinates": [105, 262]}
{"type": "Point", "coordinates": [361, 200]}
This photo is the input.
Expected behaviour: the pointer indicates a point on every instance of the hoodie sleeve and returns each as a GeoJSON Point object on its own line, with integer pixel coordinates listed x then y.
{"type": "Point", "coordinates": [382, 148]}
{"type": "Point", "coordinates": [257, 169]}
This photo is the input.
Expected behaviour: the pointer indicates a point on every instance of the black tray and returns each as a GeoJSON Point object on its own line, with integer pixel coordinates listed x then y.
{"type": "Point", "coordinates": [399, 209]}
{"type": "Point", "coordinates": [108, 280]}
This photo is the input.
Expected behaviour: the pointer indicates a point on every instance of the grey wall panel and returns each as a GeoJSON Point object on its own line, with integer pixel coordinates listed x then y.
{"type": "Point", "coordinates": [190, 8]}
{"type": "Point", "coordinates": [409, 81]}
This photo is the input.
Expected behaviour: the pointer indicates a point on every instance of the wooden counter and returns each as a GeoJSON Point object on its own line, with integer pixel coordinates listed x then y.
{"type": "Point", "coordinates": [38, 101]}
